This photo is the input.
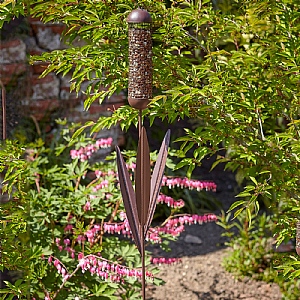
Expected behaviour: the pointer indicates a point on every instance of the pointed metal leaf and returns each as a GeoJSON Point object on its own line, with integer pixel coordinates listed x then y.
{"type": "Point", "coordinates": [157, 176]}
{"type": "Point", "coordinates": [129, 199]}
{"type": "Point", "coordinates": [142, 178]}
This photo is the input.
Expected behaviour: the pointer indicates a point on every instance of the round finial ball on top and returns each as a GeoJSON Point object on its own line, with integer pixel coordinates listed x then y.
{"type": "Point", "coordinates": [140, 58]}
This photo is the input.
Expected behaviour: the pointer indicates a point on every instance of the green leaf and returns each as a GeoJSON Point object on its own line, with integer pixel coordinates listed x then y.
{"type": "Point", "coordinates": [238, 212]}
{"type": "Point", "coordinates": [253, 180]}
{"type": "Point", "coordinates": [80, 130]}
{"type": "Point", "coordinates": [236, 204]}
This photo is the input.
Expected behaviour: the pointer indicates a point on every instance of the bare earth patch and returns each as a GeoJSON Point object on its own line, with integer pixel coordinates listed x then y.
{"type": "Point", "coordinates": [203, 277]}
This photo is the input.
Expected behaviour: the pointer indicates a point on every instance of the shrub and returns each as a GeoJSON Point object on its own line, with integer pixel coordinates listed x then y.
{"type": "Point", "coordinates": [78, 241]}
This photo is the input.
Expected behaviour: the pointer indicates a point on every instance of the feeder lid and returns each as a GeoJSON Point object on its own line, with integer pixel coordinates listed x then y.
{"type": "Point", "coordinates": [139, 16]}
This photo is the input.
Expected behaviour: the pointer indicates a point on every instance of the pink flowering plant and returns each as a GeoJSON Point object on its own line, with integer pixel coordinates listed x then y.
{"type": "Point", "coordinates": [79, 227]}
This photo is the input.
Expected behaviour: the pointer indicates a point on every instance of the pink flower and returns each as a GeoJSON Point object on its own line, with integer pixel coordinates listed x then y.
{"type": "Point", "coordinates": [170, 201]}
{"type": "Point", "coordinates": [73, 154]}
{"type": "Point", "coordinates": [90, 235]}
{"type": "Point", "coordinates": [163, 260]}
{"type": "Point", "coordinates": [98, 173]}
{"type": "Point", "coordinates": [80, 239]}
{"type": "Point", "coordinates": [67, 242]}
{"type": "Point", "coordinates": [58, 267]}
{"type": "Point", "coordinates": [104, 270]}
{"type": "Point", "coordinates": [101, 185]}
{"type": "Point", "coordinates": [87, 206]}
{"type": "Point", "coordinates": [56, 263]}
{"type": "Point", "coordinates": [189, 183]}
{"type": "Point", "coordinates": [69, 227]}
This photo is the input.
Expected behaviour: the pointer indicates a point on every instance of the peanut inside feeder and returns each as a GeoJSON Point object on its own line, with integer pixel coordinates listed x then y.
{"type": "Point", "coordinates": [140, 59]}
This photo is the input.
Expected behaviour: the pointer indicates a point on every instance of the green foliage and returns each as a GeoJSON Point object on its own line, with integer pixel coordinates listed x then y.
{"type": "Point", "coordinates": [63, 217]}
{"type": "Point", "coordinates": [15, 253]}
{"type": "Point", "coordinates": [57, 190]}
{"type": "Point", "coordinates": [251, 247]}
{"type": "Point", "coordinates": [252, 253]}
{"type": "Point", "coordinates": [61, 191]}
{"type": "Point", "coordinates": [232, 66]}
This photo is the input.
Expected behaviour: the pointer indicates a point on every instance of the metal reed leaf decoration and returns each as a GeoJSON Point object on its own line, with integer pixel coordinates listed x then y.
{"type": "Point", "coordinates": [140, 205]}
{"type": "Point", "coordinates": [128, 199]}
{"type": "Point", "coordinates": [157, 177]}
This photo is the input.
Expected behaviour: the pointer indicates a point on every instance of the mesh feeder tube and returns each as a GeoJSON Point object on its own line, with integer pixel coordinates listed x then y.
{"type": "Point", "coordinates": [140, 58]}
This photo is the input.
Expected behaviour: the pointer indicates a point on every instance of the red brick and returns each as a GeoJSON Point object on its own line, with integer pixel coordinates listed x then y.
{"type": "Point", "coordinates": [41, 108]}
{"type": "Point", "coordinates": [12, 51]}
{"type": "Point", "coordinates": [97, 109]}
{"type": "Point", "coordinates": [57, 28]}
{"type": "Point", "coordinates": [10, 71]}
{"type": "Point", "coordinates": [44, 105]}
{"type": "Point", "coordinates": [10, 44]}
{"type": "Point", "coordinates": [46, 87]}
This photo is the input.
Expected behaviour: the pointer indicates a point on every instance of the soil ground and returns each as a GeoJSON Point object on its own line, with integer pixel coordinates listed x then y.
{"type": "Point", "coordinates": [201, 275]}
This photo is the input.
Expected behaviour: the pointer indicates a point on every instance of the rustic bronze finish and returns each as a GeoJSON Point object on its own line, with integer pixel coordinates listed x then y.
{"type": "Point", "coordinates": [138, 16]}
{"type": "Point", "coordinates": [140, 206]}
{"type": "Point", "coordinates": [140, 203]}
{"type": "Point", "coordinates": [140, 58]}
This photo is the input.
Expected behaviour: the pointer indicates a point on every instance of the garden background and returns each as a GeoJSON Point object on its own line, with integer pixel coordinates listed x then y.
{"type": "Point", "coordinates": [229, 69]}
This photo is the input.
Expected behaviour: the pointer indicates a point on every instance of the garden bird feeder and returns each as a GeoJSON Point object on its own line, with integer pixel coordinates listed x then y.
{"type": "Point", "coordinates": [140, 202]}
{"type": "Point", "coordinates": [140, 58]}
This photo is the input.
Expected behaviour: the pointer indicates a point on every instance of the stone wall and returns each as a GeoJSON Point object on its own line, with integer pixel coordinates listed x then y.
{"type": "Point", "coordinates": [42, 99]}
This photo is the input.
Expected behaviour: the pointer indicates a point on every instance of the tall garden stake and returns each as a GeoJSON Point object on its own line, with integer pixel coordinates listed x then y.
{"type": "Point", "coordinates": [140, 203]}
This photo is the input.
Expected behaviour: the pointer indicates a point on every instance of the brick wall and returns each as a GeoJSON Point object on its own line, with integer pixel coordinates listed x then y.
{"type": "Point", "coordinates": [43, 99]}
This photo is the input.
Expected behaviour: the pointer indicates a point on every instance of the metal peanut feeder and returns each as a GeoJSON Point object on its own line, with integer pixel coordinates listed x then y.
{"type": "Point", "coordinates": [140, 58]}
{"type": "Point", "coordinates": [140, 203]}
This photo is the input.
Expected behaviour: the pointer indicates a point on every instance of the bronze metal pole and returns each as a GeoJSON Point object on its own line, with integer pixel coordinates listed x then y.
{"type": "Point", "coordinates": [140, 122]}
{"type": "Point", "coordinates": [143, 265]}
{"type": "Point", "coordinates": [142, 191]}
